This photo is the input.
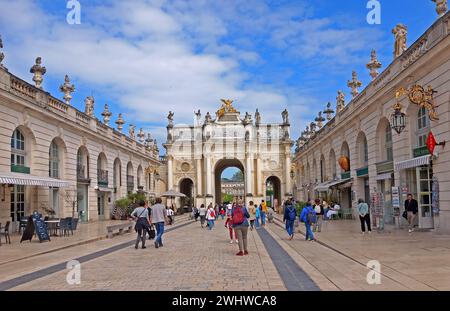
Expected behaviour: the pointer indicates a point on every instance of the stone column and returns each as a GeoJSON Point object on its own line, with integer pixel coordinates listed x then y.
{"type": "Point", "coordinates": [169, 173]}
{"type": "Point", "coordinates": [248, 174]}
{"type": "Point", "coordinates": [258, 176]}
{"type": "Point", "coordinates": [288, 174]}
{"type": "Point", "coordinates": [208, 176]}
{"type": "Point", "coordinates": [199, 177]}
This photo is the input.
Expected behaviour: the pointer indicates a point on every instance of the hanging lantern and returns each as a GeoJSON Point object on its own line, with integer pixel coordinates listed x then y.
{"type": "Point", "coordinates": [344, 163]}
{"type": "Point", "coordinates": [398, 119]}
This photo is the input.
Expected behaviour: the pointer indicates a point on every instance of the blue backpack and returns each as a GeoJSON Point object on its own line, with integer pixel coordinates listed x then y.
{"type": "Point", "coordinates": [311, 217]}
{"type": "Point", "coordinates": [292, 213]}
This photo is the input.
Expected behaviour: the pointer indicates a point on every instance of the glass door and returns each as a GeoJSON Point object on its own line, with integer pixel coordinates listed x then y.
{"type": "Point", "coordinates": [424, 182]}
{"type": "Point", "coordinates": [17, 205]}
{"type": "Point", "coordinates": [101, 206]}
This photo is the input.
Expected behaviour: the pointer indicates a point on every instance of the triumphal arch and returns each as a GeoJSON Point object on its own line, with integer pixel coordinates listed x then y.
{"type": "Point", "coordinates": [197, 154]}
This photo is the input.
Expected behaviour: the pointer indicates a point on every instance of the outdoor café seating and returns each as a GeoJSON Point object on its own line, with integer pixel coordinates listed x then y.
{"type": "Point", "coordinates": [4, 231]}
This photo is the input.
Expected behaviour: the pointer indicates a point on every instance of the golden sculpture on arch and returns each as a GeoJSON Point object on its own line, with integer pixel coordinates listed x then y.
{"type": "Point", "coordinates": [422, 97]}
{"type": "Point", "coordinates": [226, 107]}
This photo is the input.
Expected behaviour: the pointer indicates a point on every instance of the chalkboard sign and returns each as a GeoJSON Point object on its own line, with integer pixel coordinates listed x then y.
{"type": "Point", "coordinates": [40, 227]}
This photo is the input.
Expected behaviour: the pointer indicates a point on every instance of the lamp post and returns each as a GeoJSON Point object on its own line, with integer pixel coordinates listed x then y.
{"type": "Point", "coordinates": [398, 119]}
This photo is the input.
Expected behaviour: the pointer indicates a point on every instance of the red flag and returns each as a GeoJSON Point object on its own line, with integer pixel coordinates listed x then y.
{"type": "Point", "coordinates": [431, 143]}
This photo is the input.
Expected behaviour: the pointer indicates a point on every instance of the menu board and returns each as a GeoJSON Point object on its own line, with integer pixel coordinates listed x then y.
{"type": "Point", "coordinates": [40, 227]}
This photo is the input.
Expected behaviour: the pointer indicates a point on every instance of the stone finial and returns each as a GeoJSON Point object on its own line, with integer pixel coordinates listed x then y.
{"type": "Point", "coordinates": [312, 127]}
{"type": "Point", "coordinates": [400, 33]}
{"type": "Point", "coordinates": [149, 139]}
{"type": "Point", "coordinates": [89, 106]}
{"type": "Point", "coordinates": [170, 118]}
{"type": "Point", "coordinates": [340, 101]}
{"type": "Point", "coordinates": [441, 7]}
{"type": "Point", "coordinates": [120, 122]}
{"type": "Point", "coordinates": [307, 133]}
{"type": "Point", "coordinates": [2, 56]}
{"type": "Point", "coordinates": [67, 89]}
{"type": "Point", "coordinates": [257, 117]}
{"type": "Point", "coordinates": [354, 84]}
{"type": "Point", "coordinates": [373, 65]}
{"type": "Point", "coordinates": [141, 135]}
{"type": "Point", "coordinates": [131, 131]}
{"type": "Point", "coordinates": [38, 72]}
{"type": "Point", "coordinates": [106, 114]}
{"type": "Point", "coordinates": [329, 112]}
{"type": "Point", "coordinates": [208, 118]}
{"type": "Point", "coordinates": [285, 116]}
{"type": "Point", "coordinates": [319, 120]}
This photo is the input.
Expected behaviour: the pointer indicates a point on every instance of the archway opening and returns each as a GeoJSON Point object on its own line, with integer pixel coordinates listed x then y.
{"type": "Point", "coordinates": [187, 188]}
{"type": "Point", "coordinates": [273, 191]}
{"type": "Point", "coordinates": [229, 181]}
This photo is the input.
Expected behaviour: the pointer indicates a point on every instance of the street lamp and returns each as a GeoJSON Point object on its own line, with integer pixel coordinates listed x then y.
{"type": "Point", "coordinates": [398, 119]}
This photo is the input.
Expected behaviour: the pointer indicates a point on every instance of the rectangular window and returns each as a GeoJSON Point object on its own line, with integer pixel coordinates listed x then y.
{"type": "Point", "coordinates": [17, 202]}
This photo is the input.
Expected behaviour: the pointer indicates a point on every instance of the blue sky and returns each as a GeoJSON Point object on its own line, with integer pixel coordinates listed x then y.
{"type": "Point", "coordinates": [145, 58]}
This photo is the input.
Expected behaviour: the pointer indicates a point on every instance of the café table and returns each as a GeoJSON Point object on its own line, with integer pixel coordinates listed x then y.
{"type": "Point", "coordinates": [52, 226]}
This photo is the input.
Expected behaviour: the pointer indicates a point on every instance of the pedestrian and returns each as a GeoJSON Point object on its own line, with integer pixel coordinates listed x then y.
{"type": "Point", "coordinates": [364, 216]}
{"type": "Point", "coordinates": [202, 214]}
{"type": "Point", "coordinates": [270, 214]}
{"type": "Point", "coordinates": [222, 212]}
{"type": "Point", "coordinates": [240, 217]}
{"type": "Point", "coordinates": [257, 216]}
{"type": "Point", "coordinates": [140, 215]}
{"type": "Point", "coordinates": [210, 216]}
{"type": "Point", "coordinates": [169, 212]}
{"type": "Point", "coordinates": [308, 217]}
{"type": "Point", "coordinates": [290, 214]}
{"type": "Point", "coordinates": [150, 230]}
{"type": "Point", "coordinates": [263, 213]}
{"type": "Point", "coordinates": [412, 208]}
{"type": "Point", "coordinates": [159, 218]}
{"type": "Point", "coordinates": [229, 226]}
{"type": "Point", "coordinates": [252, 213]}
{"type": "Point", "coordinates": [318, 208]}
{"type": "Point", "coordinates": [216, 210]}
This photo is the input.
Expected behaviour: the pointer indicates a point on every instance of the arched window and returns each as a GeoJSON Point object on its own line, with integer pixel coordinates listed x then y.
{"type": "Point", "coordinates": [388, 137]}
{"type": "Point", "coordinates": [53, 165]}
{"type": "Point", "coordinates": [18, 149]}
{"type": "Point", "coordinates": [423, 125]}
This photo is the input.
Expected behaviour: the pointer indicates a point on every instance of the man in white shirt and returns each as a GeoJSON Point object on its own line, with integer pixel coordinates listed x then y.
{"type": "Point", "coordinates": [158, 218]}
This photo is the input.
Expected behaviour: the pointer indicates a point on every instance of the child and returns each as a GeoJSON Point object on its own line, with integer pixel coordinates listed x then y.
{"type": "Point", "coordinates": [222, 212]}
{"type": "Point", "coordinates": [229, 225]}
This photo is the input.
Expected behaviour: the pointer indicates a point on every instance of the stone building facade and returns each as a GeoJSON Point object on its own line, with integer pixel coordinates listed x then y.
{"type": "Point", "coordinates": [356, 154]}
{"type": "Point", "coordinates": [233, 188]}
{"type": "Point", "coordinates": [197, 154]}
{"type": "Point", "coordinates": [55, 157]}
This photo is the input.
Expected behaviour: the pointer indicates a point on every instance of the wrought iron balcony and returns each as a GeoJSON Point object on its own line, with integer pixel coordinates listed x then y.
{"type": "Point", "coordinates": [82, 175]}
{"type": "Point", "coordinates": [102, 177]}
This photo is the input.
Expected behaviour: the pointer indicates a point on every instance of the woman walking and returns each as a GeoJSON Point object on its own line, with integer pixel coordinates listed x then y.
{"type": "Point", "coordinates": [229, 225]}
{"type": "Point", "coordinates": [364, 216]}
{"type": "Point", "coordinates": [240, 217]}
{"type": "Point", "coordinates": [318, 208]}
{"type": "Point", "coordinates": [264, 212]}
{"type": "Point", "coordinates": [210, 216]}
{"type": "Point", "coordinates": [252, 213]}
{"type": "Point", "coordinates": [202, 214]}
{"type": "Point", "coordinates": [257, 216]}
{"type": "Point", "coordinates": [140, 214]}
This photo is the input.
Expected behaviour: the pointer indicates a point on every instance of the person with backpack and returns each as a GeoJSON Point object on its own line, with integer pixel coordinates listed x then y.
{"type": "Point", "coordinates": [229, 225]}
{"type": "Point", "coordinates": [318, 208]}
{"type": "Point", "coordinates": [240, 217]}
{"type": "Point", "coordinates": [252, 213]}
{"type": "Point", "coordinates": [290, 214]}
{"type": "Point", "coordinates": [257, 215]}
{"type": "Point", "coordinates": [140, 214]}
{"type": "Point", "coordinates": [364, 216]}
{"type": "Point", "coordinates": [308, 217]}
{"type": "Point", "coordinates": [210, 216]}
{"type": "Point", "coordinates": [264, 212]}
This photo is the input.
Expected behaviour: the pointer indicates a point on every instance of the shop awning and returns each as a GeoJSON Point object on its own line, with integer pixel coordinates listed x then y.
{"type": "Point", "coordinates": [411, 163]}
{"type": "Point", "coordinates": [325, 186]}
{"type": "Point", "coordinates": [30, 180]}
{"type": "Point", "coordinates": [383, 176]}
{"type": "Point", "coordinates": [105, 189]}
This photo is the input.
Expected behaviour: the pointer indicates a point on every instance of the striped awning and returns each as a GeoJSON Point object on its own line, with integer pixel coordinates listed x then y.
{"type": "Point", "coordinates": [326, 186]}
{"type": "Point", "coordinates": [30, 180]}
{"type": "Point", "coordinates": [411, 163]}
{"type": "Point", "coordinates": [383, 176]}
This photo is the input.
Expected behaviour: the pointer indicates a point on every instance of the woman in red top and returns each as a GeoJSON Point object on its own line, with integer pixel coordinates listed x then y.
{"type": "Point", "coordinates": [229, 225]}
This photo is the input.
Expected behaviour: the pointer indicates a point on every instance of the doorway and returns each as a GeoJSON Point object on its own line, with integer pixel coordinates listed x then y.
{"type": "Point", "coordinates": [424, 177]}
{"type": "Point", "coordinates": [273, 192]}
{"type": "Point", "coordinates": [229, 181]}
{"type": "Point", "coordinates": [101, 205]}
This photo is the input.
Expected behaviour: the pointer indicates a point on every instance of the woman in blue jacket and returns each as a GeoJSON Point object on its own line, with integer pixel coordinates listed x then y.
{"type": "Point", "coordinates": [308, 216]}
{"type": "Point", "coordinates": [258, 216]}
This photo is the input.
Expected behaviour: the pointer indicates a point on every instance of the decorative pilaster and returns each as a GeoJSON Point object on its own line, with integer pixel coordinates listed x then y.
{"type": "Point", "coordinates": [169, 173]}
{"type": "Point", "coordinates": [199, 177]}
{"type": "Point", "coordinates": [373, 65]}
{"type": "Point", "coordinates": [354, 84]}
{"type": "Point", "coordinates": [248, 174]}
{"type": "Point", "coordinates": [106, 114]}
{"type": "Point", "coordinates": [441, 7]}
{"type": "Point", "coordinates": [259, 176]}
{"type": "Point", "coordinates": [400, 33]}
{"type": "Point", "coordinates": [120, 122]}
{"type": "Point", "coordinates": [288, 174]}
{"type": "Point", "coordinates": [208, 176]}
{"type": "Point", "coordinates": [67, 89]}
{"type": "Point", "coordinates": [38, 72]}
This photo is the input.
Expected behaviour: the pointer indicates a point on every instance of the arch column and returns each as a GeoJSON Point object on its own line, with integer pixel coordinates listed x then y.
{"type": "Point", "coordinates": [199, 177]}
{"type": "Point", "coordinates": [208, 176]}
{"type": "Point", "coordinates": [248, 174]}
{"type": "Point", "coordinates": [170, 173]}
{"type": "Point", "coordinates": [288, 189]}
{"type": "Point", "coordinates": [258, 177]}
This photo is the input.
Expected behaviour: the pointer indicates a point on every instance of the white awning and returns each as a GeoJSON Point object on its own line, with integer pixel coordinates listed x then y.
{"type": "Point", "coordinates": [383, 176]}
{"type": "Point", "coordinates": [105, 189]}
{"type": "Point", "coordinates": [30, 180]}
{"type": "Point", "coordinates": [325, 186]}
{"type": "Point", "coordinates": [411, 163]}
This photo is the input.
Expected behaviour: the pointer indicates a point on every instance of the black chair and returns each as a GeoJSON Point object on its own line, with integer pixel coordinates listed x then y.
{"type": "Point", "coordinates": [63, 227]}
{"type": "Point", "coordinates": [73, 224]}
{"type": "Point", "coordinates": [5, 231]}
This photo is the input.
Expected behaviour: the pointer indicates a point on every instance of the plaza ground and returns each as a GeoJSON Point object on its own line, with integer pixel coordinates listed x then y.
{"type": "Point", "coordinates": [197, 259]}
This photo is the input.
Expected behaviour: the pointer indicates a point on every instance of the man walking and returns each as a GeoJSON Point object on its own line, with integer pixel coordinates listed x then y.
{"type": "Point", "coordinates": [290, 214]}
{"type": "Point", "coordinates": [412, 208]}
{"type": "Point", "coordinates": [364, 216]}
{"type": "Point", "coordinates": [158, 218]}
{"type": "Point", "coordinates": [308, 216]}
{"type": "Point", "coordinates": [140, 214]}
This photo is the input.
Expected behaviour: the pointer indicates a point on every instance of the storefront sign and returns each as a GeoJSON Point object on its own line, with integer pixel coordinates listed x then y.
{"type": "Point", "coordinates": [395, 197]}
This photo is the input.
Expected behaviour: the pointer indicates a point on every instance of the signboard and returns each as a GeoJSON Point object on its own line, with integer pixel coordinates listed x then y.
{"type": "Point", "coordinates": [40, 228]}
{"type": "Point", "coordinates": [395, 197]}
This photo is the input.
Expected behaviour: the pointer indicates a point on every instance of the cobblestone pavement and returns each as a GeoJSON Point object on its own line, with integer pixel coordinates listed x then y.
{"type": "Point", "coordinates": [192, 259]}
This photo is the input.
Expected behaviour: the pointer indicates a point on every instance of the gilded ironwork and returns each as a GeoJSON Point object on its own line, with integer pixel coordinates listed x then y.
{"type": "Point", "coordinates": [422, 97]}
{"type": "Point", "coordinates": [226, 107]}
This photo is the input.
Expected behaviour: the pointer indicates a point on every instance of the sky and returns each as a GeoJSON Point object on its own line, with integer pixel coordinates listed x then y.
{"type": "Point", "coordinates": [144, 58]}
